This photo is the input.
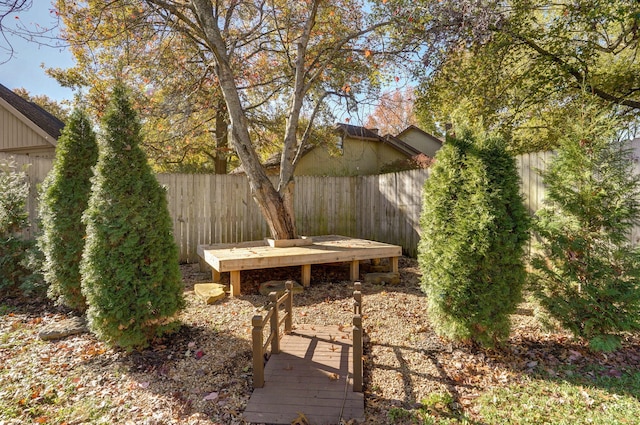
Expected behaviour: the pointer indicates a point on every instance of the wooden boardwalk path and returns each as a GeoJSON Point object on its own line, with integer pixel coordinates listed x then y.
{"type": "Point", "coordinates": [312, 376]}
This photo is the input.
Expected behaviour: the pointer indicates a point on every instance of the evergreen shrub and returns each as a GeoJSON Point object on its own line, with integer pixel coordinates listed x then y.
{"type": "Point", "coordinates": [474, 228]}
{"type": "Point", "coordinates": [16, 254]}
{"type": "Point", "coordinates": [586, 273]}
{"type": "Point", "coordinates": [65, 194]}
{"type": "Point", "coordinates": [130, 272]}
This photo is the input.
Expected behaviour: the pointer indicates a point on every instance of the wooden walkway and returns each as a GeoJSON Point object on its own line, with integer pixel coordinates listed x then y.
{"type": "Point", "coordinates": [312, 376]}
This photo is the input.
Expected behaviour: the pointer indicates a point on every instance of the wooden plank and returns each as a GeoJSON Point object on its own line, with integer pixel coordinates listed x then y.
{"type": "Point", "coordinates": [305, 378]}
{"type": "Point", "coordinates": [324, 250]}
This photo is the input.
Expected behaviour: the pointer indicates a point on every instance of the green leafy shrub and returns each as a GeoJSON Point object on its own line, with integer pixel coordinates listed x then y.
{"type": "Point", "coordinates": [130, 271]}
{"type": "Point", "coordinates": [474, 228]}
{"type": "Point", "coordinates": [586, 274]}
{"type": "Point", "coordinates": [16, 275]}
{"type": "Point", "coordinates": [65, 195]}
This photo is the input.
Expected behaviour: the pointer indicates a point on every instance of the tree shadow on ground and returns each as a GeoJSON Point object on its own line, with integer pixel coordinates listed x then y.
{"type": "Point", "coordinates": [198, 372]}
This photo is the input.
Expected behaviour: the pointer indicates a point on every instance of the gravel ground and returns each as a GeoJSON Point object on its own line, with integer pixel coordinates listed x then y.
{"type": "Point", "coordinates": [202, 374]}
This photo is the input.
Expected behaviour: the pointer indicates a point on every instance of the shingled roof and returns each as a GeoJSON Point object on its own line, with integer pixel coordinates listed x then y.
{"type": "Point", "coordinates": [36, 114]}
{"type": "Point", "coordinates": [357, 131]}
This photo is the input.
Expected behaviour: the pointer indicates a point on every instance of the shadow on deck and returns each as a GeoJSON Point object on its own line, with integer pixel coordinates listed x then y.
{"type": "Point", "coordinates": [312, 376]}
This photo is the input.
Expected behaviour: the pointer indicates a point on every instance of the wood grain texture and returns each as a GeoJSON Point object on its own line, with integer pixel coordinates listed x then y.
{"type": "Point", "coordinates": [312, 375]}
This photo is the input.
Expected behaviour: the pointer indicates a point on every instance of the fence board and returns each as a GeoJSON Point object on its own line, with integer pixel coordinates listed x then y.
{"type": "Point", "coordinates": [208, 209]}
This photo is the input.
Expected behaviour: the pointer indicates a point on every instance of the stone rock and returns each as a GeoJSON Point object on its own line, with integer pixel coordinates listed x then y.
{"type": "Point", "coordinates": [278, 287]}
{"type": "Point", "coordinates": [392, 278]}
{"type": "Point", "coordinates": [210, 292]}
{"type": "Point", "coordinates": [63, 328]}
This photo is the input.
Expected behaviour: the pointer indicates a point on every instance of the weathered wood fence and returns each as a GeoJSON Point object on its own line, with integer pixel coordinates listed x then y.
{"type": "Point", "coordinates": [213, 209]}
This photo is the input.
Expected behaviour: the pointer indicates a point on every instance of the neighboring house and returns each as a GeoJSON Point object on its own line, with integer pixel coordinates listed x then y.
{"type": "Point", "coordinates": [359, 151]}
{"type": "Point", "coordinates": [420, 140]}
{"type": "Point", "coordinates": [26, 128]}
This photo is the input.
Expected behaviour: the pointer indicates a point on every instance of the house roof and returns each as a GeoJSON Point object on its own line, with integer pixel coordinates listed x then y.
{"type": "Point", "coordinates": [353, 132]}
{"type": "Point", "coordinates": [357, 132]}
{"type": "Point", "coordinates": [35, 114]}
{"type": "Point", "coordinates": [414, 128]}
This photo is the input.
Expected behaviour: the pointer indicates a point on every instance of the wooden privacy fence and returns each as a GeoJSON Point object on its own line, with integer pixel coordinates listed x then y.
{"type": "Point", "coordinates": [214, 209]}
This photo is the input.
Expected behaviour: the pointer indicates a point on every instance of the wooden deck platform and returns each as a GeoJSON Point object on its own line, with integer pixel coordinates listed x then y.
{"type": "Point", "coordinates": [312, 376]}
{"type": "Point", "coordinates": [234, 258]}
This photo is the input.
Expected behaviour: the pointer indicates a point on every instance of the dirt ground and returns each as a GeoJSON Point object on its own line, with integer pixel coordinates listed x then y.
{"type": "Point", "coordinates": [202, 374]}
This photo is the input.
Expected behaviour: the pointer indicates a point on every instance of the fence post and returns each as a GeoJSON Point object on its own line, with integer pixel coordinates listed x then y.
{"type": "Point", "coordinates": [288, 322]}
{"type": "Point", "coordinates": [275, 323]}
{"type": "Point", "coordinates": [357, 353]}
{"type": "Point", "coordinates": [258, 355]}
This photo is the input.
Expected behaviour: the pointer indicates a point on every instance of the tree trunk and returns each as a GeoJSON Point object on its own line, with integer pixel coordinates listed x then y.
{"type": "Point", "coordinates": [222, 139]}
{"type": "Point", "coordinates": [279, 217]}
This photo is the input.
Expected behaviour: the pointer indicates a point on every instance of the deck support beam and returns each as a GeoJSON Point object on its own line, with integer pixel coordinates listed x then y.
{"type": "Point", "coordinates": [235, 283]}
{"type": "Point", "coordinates": [306, 275]}
{"type": "Point", "coordinates": [354, 270]}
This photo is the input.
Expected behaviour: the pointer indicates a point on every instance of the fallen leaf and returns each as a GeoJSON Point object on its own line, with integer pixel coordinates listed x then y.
{"type": "Point", "coordinates": [211, 396]}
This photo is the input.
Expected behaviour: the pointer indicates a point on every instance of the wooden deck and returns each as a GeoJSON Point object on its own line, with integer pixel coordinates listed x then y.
{"type": "Point", "coordinates": [234, 258]}
{"type": "Point", "coordinates": [312, 376]}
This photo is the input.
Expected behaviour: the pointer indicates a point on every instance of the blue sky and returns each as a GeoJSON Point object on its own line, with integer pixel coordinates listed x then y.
{"type": "Point", "coordinates": [24, 69]}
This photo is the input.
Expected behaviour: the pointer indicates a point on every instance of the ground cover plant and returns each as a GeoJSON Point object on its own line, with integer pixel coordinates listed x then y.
{"type": "Point", "coordinates": [202, 374]}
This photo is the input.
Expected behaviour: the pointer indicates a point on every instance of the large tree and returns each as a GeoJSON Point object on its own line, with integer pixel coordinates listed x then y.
{"type": "Point", "coordinates": [183, 116]}
{"type": "Point", "coordinates": [519, 65]}
{"type": "Point", "coordinates": [265, 57]}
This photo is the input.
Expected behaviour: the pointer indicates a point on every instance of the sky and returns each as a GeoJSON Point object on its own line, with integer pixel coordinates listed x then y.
{"type": "Point", "coordinates": [24, 68]}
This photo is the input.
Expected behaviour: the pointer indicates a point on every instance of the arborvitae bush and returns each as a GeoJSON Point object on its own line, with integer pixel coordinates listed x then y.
{"type": "Point", "coordinates": [65, 195]}
{"type": "Point", "coordinates": [474, 228]}
{"type": "Point", "coordinates": [15, 275]}
{"type": "Point", "coordinates": [586, 274]}
{"type": "Point", "coordinates": [130, 272]}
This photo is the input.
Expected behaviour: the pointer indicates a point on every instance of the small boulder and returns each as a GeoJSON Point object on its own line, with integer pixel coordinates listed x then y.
{"type": "Point", "coordinates": [63, 328]}
{"type": "Point", "coordinates": [210, 292]}
{"type": "Point", "coordinates": [392, 278]}
{"type": "Point", "coordinates": [278, 286]}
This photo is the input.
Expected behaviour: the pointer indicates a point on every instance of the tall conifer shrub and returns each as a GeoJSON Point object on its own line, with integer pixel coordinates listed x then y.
{"type": "Point", "coordinates": [65, 195]}
{"type": "Point", "coordinates": [130, 271]}
{"type": "Point", "coordinates": [586, 273]}
{"type": "Point", "coordinates": [474, 228]}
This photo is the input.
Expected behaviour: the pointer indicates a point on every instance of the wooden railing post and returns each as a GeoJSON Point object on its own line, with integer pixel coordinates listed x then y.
{"type": "Point", "coordinates": [288, 321]}
{"type": "Point", "coordinates": [258, 356]}
{"type": "Point", "coordinates": [275, 323]}
{"type": "Point", "coordinates": [357, 353]}
{"type": "Point", "coordinates": [357, 298]}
